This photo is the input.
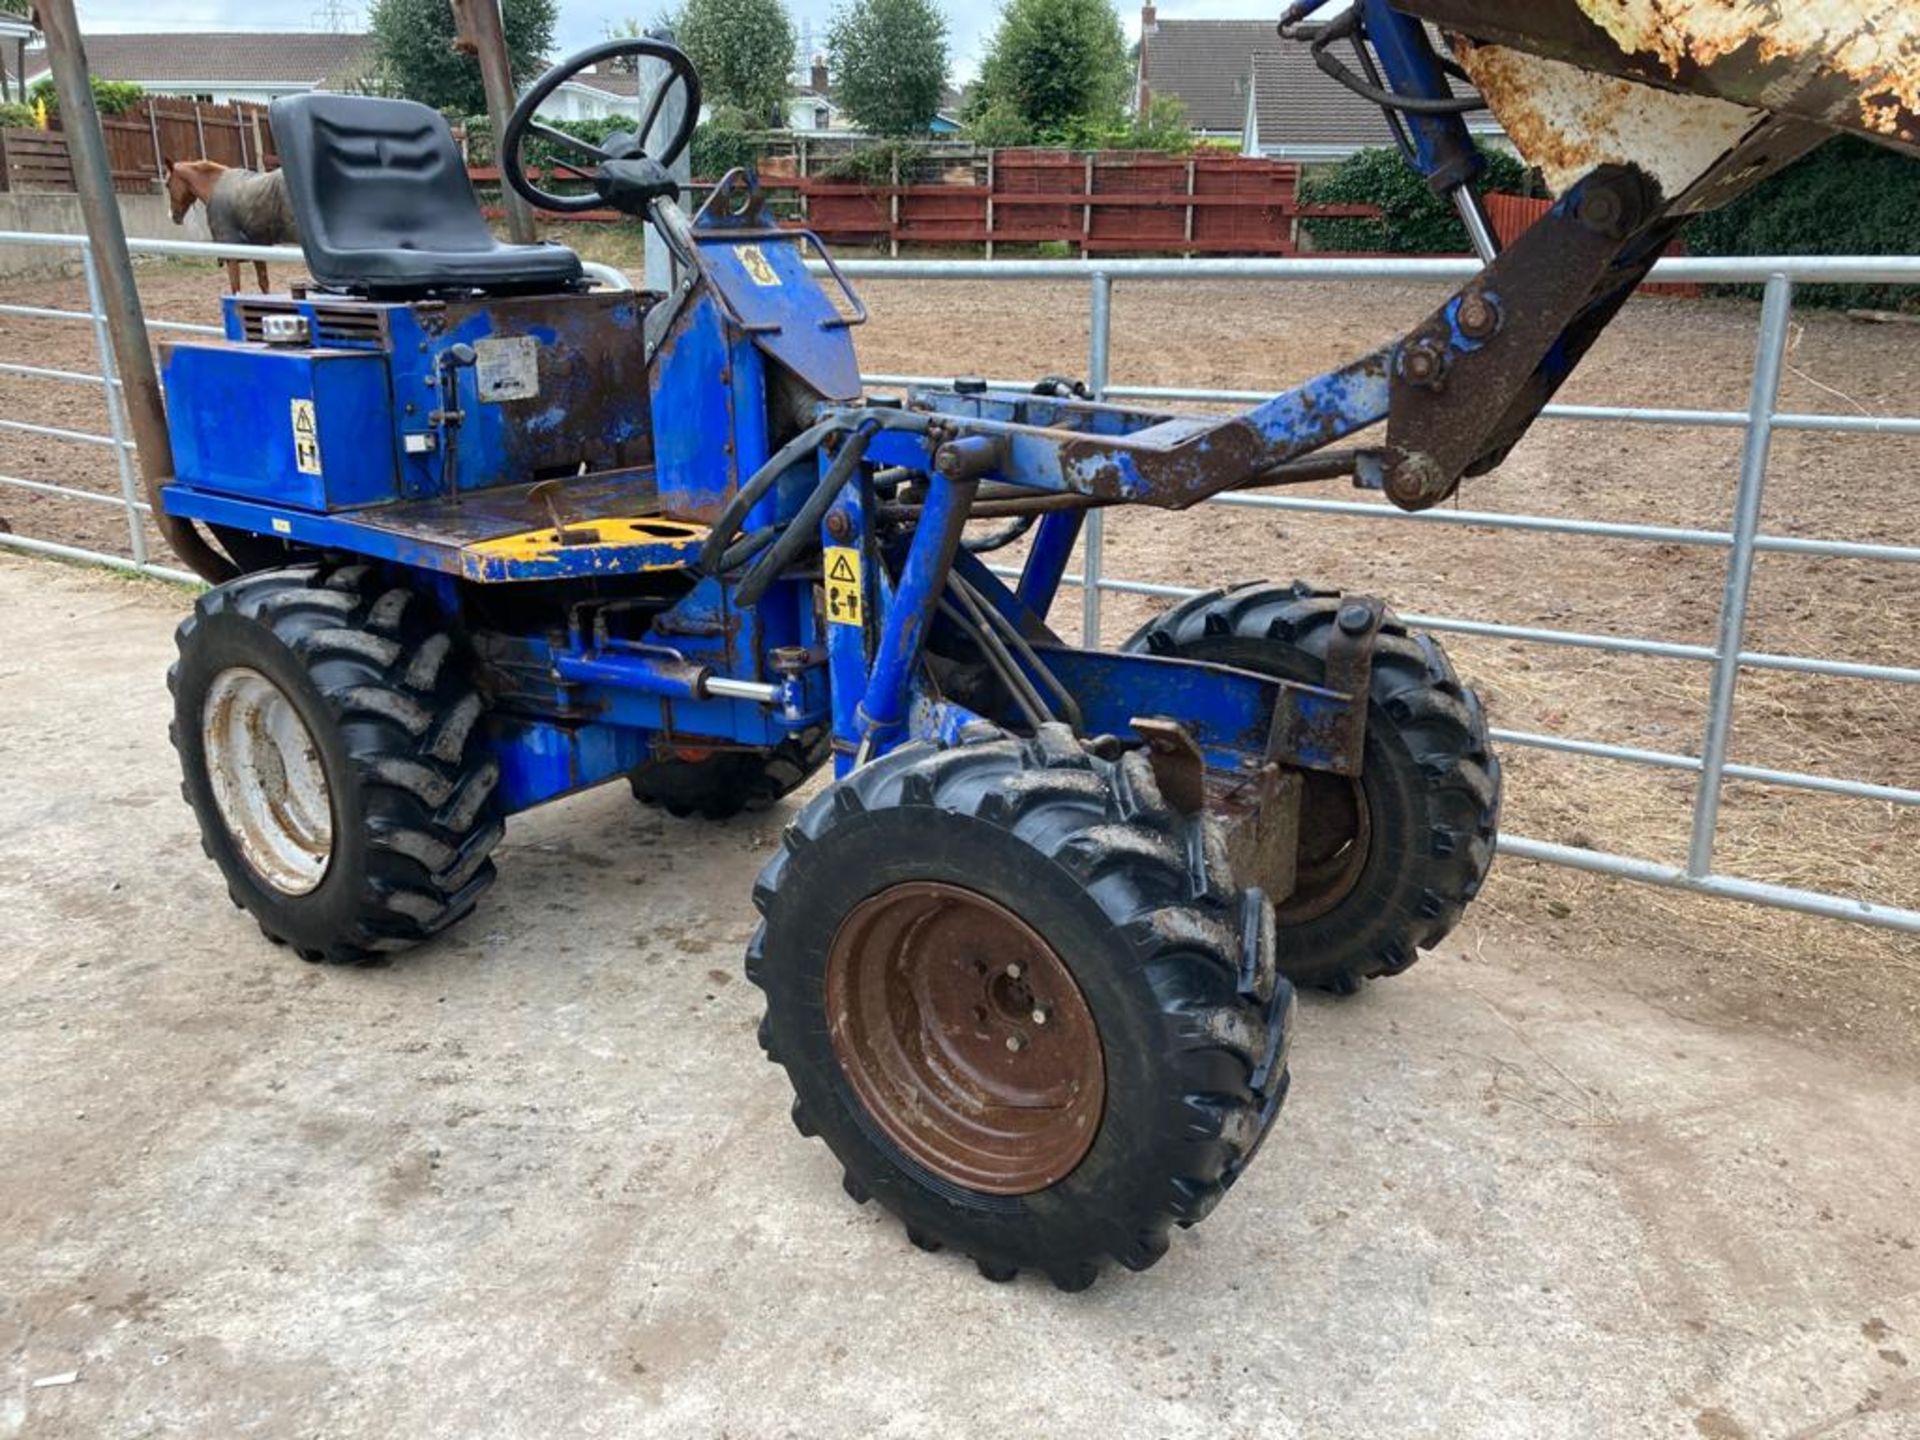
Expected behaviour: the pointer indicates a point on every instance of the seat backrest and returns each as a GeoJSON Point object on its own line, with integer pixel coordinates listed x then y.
{"type": "Point", "coordinates": [370, 174]}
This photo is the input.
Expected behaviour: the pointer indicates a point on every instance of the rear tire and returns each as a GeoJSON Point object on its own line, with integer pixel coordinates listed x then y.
{"type": "Point", "coordinates": [726, 783]}
{"type": "Point", "coordinates": [1388, 863]}
{"type": "Point", "coordinates": [1147, 948]}
{"type": "Point", "coordinates": [328, 740]}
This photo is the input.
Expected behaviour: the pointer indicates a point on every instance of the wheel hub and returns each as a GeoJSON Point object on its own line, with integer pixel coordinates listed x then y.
{"type": "Point", "coordinates": [268, 779]}
{"type": "Point", "coordinates": [1336, 835]}
{"type": "Point", "coordinates": [965, 1037]}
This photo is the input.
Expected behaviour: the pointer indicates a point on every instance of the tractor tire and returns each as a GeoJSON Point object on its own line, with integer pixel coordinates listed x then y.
{"type": "Point", "coordinates": [1388, 862]}
{"type": "Point", "coordinates": [726, 783]}
{"type": "Point", "coordinates": [1019, 997]}
{"type": "Point", "coordinates": [328, 738]}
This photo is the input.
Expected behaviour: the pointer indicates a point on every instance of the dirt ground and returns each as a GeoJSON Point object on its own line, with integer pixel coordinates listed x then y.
{"type": "Point", "coordinates": [1807, 978]}
{"type": "Point", "coordinates": [535, 1179]}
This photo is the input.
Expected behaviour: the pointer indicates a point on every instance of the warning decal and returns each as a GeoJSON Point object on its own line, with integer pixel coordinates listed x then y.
{"type": "Point", "coordinates": [306, 438]}
{"type": "Point", "coordinates": [843, 585]}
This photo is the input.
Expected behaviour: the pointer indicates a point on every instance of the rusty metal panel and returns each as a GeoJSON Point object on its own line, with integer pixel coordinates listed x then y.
{"type": "Point", "coordinates": [1850, 65]}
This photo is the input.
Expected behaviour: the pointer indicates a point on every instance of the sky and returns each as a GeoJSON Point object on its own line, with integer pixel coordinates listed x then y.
{"type": "Point", "coordinates": [582, 22]}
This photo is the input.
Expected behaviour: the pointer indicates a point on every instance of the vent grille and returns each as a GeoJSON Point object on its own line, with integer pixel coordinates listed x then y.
{"type": "Point", "coordinates": [251, 314]}
{"type": "Point", "coordinates": [349, 325]}
{"type": "Point", "coordinates": [358, 326]}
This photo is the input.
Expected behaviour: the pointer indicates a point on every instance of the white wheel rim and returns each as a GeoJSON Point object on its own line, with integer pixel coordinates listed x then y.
{"type": "Point", "coordinates": [269, 781]}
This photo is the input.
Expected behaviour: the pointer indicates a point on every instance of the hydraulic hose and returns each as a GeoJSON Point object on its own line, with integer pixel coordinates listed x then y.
{"type": "Point", "coordinates": [800, 531]}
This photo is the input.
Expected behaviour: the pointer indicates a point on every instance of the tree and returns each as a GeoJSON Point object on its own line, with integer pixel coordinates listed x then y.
{"type": "Point", "coordinates": [888, 59]}
{"type": "Point", "coordinates": [414, 54]}
{"type": "Point", "coordinates": [1056, 68]}
{"type": "Point", "coordinates": [743, 50]}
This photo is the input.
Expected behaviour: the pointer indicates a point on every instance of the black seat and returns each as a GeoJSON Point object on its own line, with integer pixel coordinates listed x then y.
{"type": "Point", "coordinates": [385, 208]}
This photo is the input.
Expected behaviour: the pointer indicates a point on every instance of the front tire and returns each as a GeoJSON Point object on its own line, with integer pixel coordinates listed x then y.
{"type": "Point", "coordinates": [1387, 863]}
{"type": "Point", "coordinates": [1021, 999]}
{"type": "Point", "coordinates": [328, 743]}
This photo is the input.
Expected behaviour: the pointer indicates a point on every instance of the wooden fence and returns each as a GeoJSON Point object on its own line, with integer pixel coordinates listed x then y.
{"type": "Point", "coordinates": [1104, 202]}
{"type": "Point", "coordinates": [141, 141]}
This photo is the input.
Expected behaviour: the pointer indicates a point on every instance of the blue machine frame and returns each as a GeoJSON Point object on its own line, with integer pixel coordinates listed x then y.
{"type": "Point", "coordinates": [412, 462]}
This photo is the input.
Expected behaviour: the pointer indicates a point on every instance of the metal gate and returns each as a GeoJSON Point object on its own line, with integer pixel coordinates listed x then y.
{"type": "Point", "coordinates": [1727, 657]}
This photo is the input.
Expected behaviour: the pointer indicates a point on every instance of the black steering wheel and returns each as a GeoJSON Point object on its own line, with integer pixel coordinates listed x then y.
{"type": "Point", "coordinates": [619, 149]}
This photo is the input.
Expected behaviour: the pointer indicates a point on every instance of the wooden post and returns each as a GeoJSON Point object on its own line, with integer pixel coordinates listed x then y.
{"type": "Point", "coordinates": [1086, 211]}
{"type": "Point", "coordinates": [990, 183]}
{"type": "Point", "coordinates": [479, 32]}
{"type": "Point", "coordinates": [893, 207]}
{"type": "Point", "coordinates": [153, 129]}
{"type": "Point", "coordinates": [1192, 166]}
{"type": "Point", "coordinates": [259, 142]}
{"type": "Point", "coordinates": [200, 129]}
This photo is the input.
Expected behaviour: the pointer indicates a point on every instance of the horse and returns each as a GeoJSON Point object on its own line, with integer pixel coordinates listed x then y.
{"type": "Point", "coordinates": [244, 207]}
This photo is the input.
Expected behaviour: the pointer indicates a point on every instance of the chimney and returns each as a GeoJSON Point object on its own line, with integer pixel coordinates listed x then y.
{"type": "Point", "coordinates": [819, 76]}
{"type": "Point", "coordinates": [1149, 24]}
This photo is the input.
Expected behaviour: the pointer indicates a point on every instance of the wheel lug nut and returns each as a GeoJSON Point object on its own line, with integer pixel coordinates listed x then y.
{"type": "Point", "coordinates": [1016, 1043]}
{"type": "Point", "coordinates": [1041, 1013]}
{"type": "Point", "coordinates": [1013, 971]}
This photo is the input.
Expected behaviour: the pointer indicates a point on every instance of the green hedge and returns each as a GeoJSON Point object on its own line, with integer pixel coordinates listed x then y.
{"type": "Point", "coordinates": [15, 116]}
{"type": "Point", "coordinates": [110, 97]}
{"type": "Point", "coordinates": [1850, 197]}
{"type": "Point", "coordinates": [1414, 221]}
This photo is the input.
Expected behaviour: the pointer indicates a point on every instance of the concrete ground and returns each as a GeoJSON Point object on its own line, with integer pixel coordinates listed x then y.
{"type": "Point", "coordinates": [535, 1180]}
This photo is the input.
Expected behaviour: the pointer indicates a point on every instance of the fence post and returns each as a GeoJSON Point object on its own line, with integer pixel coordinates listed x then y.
{"type": "Point", "coordinates": [1776, 314]}
{"type": "Point", "coordinates": [1192, 166]}
{"type": "Point", "coordinates": [1093, 537]}
{"type": "Point", "coordinates": [893, 206]}
{"type": "Point", "coordinates": [153, 129]}
{"type": "Point", "coordinates": [200, 129]}
{"type": "Point", "coordinates": [116, 422]}
{"type": "Point", "coordinates": [990, 179]}
{"type": "Point", "coordinates": [1086, 210]}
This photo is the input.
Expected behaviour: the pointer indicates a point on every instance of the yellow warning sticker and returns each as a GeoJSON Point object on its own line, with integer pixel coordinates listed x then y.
{"type": "Point", "coordinates": [843, 585]}
{"type": "Point", "coordinates": [754, 261]}
{"type": "Point", "coordinates": [306, 438]}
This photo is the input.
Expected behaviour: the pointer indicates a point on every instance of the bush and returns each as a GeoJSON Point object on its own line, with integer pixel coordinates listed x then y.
{"type": "Point", "coordinates": [1413, 220]}
{"type": "Point", "coordinates": [1850, 197]}
{"type": "Point", "coordinates": [110, 97]}
{"type": "Point", "coordinates": [14, 116]}
{"type": "Point", "coordinates": [873, 164]}
{"type": "Point", "coordinates": [726, 140]}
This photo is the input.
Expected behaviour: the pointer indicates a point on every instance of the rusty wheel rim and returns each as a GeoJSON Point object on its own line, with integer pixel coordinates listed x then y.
{"type": "Point", "coordinates": [965, 1037]}
{"type": "Point", "coordinates": [1336, 835]}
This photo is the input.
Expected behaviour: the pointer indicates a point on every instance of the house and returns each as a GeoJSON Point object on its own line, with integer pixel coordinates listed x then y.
{"type": "Point", "coordinates": [15, 36]}
{"type": "Point", "coordinates": [257, 66]}
{"type": "Point", "coordinates": [223, 66]}
{"type": "Point", "coordinates": [1240, 81]}
{"type": "Point", "coordinates": [595, 94]}
{"type": "Point", "coordinates": [811, 106]}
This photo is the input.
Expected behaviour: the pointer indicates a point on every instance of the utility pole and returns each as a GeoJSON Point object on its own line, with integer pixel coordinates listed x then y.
{"type": "Point", "coordinates": [480, 33]}
{"type": "Point", "coordinates": [107, 241]}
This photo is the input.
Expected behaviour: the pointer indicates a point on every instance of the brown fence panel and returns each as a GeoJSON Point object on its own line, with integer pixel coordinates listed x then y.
{"type": "Point", "coordinates": [36, 160]}
{"type": "Point", "coordinates": [943, 214]}
{"type": "Point", "coordinates": [1243, 206]}
{"type": "Point", "coordinates": [1032, 196]}
{"type": "Point", "coordinates": [130, 152]}
{"type": "Point", "coordinates": [1140, 203]}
